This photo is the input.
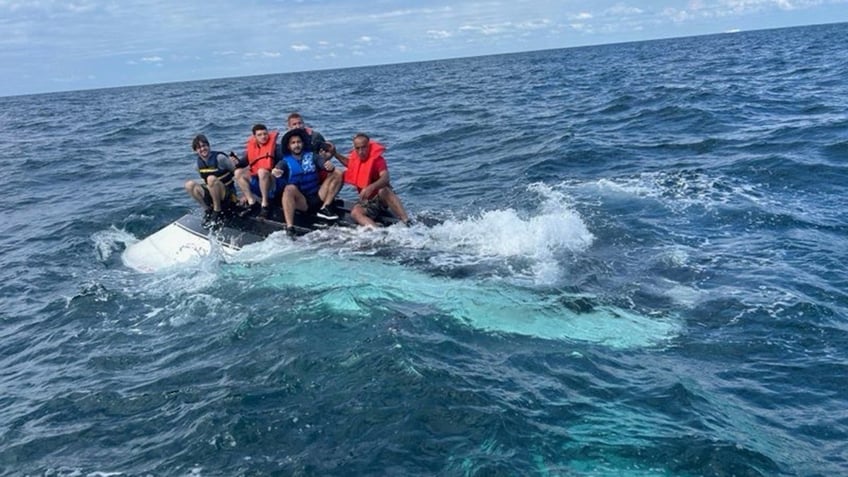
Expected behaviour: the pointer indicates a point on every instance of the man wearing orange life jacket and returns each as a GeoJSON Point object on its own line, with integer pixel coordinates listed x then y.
{"type": "Point", "coordinates": [261, 155]}
{"type": "Point", "coordinates": [368, 172]}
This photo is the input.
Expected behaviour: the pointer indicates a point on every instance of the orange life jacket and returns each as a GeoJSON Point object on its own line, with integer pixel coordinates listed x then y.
{"type": "Point", "coordinates": [261, 157]}
{"type": "Point", "coordinates": [360, 173]}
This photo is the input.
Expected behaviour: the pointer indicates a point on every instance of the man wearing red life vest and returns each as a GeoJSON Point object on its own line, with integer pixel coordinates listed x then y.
{"type": "Point", "coordinates": [368, 172]}
{"type": "Point", "coordinates": [261, 155]}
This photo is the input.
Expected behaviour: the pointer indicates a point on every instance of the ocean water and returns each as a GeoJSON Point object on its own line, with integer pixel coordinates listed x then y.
{"type": "Point", "coordinates": [640, 272]}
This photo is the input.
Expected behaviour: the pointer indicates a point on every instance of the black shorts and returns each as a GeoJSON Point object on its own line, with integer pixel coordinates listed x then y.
{"type": "Point", "coordinates": [313, 203]}
{"type": "Point", "coordinates": [229, 199]}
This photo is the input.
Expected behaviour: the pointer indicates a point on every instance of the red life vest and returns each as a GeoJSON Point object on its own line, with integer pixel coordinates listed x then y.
{"type": "Point", "coordinates": [360, 173]}
{"type": "Point", "coordinates": [261, 157]}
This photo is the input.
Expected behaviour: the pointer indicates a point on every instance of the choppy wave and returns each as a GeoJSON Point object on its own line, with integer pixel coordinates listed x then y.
{"type": "Point", "coordinates": [638, 270]}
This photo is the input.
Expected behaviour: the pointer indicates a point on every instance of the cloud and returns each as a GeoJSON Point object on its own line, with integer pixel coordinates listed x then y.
{"type": "Point", "coordinates": [263, 54]}
{"type": "Point", "coordinates": [356, 17]}
{"type": "Point", "coordinates": [77, 37]}
{"type": "Point", "coordinates": [80, 7]}
{"type": "Point", "coordinates": [415, 12]}
{"type": "Point", "coordinates": [620, 9]}
{"type": "Point", "coordinates": [439, 34]}
{"type": "Point", "coordinates": [676, 15]}
{"type": "Point", "coordinates": [730, 8]}
{"type": "Point", "coordinates": [486, 30]}
{"type": "Point", "coordinates": [49, 6]}
{"type": "Point", "coordinates": [507, 28]}
{"type": "Point", "coordinates": [742, 6]}
{"type": "Point", "coordinates": [534, 24]}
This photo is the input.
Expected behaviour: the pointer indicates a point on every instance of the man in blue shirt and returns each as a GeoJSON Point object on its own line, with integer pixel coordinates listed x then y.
{"type": "Point", "coordinates": [303, 190]}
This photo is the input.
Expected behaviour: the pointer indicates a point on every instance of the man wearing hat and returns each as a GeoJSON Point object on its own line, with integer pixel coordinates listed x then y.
{"type": "Point", "coordinates": [303, 191]}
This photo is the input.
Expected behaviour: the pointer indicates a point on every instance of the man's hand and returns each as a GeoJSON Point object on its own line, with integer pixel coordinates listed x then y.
{"type": "Point", "coordinates": [365, 193]}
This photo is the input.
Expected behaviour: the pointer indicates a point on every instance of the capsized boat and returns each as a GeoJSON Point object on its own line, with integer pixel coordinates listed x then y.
{"type": "Point", "coordinates": [189, 237]}
{"type": "Point", "coordinates": [491, 306]}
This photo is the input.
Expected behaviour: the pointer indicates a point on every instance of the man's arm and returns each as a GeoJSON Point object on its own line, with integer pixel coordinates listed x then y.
{"type": "Point", "coordinates": [226, 163]}
{"type": "Point", "coordinates": [281, 169]}
{"type": "Point", "coordinates": [375, 186]}
{"type": "Point", "coordinates": [323, 161]}
{"type": "Point", "coordinates": [382, 181]}
{"type": "Point", "coordinates": [335, 153]}
{"type": "Point", "coordinates": [317, 141]}
{"type": "Point", "coordinates": [278, 155]}
{"type": "Point", "coordinates": [239, 162]}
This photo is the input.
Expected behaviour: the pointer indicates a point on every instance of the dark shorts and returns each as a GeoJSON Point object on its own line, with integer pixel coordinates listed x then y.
{"type": "Point", "coordinates": [229, 199]}
{"type": "Point", "coordinates": [374, 207]}
{"type": "Point", "coordinates": [280, 184]}
{"type": "Point", "coordinates": [313, 203]}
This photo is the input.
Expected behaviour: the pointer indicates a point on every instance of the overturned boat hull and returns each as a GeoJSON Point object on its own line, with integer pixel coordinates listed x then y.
{"type": "Point", "coordinates": [188, 237]}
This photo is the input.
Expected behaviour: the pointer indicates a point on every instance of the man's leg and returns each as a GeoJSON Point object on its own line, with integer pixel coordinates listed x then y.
{"type": "Point", "coordinates": [361, 217]}
{"type": "Point", "coordinates": [217, 191]}
{"type": "Point", "coordinates": [388, 196]}
{"type": "Point", "coordinates": [242, 178]}
{"type": "Point", "coordinates": [197, 192]}
{"type": "Point", "coordinates": [266, 186]}
{"type": "Point", "coordinates": [327, 194]}
{"type": "Point", "coordinates": [330, 187]}
{"type": "Point", "coordinates": [292, 201]}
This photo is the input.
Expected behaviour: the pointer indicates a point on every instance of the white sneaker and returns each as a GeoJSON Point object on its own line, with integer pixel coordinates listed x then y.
{"type": "Point", "coordinates": [327, 214]}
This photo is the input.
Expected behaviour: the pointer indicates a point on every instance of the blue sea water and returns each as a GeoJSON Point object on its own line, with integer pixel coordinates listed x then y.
{"type": "Point", "coordinates": [641, 272]}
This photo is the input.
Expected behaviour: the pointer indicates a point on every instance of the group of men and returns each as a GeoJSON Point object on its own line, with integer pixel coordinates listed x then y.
{"type": "Point", "coordinates": [297, 174]}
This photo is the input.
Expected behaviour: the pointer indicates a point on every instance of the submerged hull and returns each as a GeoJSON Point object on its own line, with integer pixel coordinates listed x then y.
{"type": "Point", "coordinates": [187, 238]}
{"type": "Point", "coordinates": [490, 305]}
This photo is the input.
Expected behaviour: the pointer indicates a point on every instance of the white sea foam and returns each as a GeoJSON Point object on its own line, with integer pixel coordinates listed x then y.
{"type": "Point", "coordinates": [497, 237]}
{"type": "Point", "coordinates": [682, 189]}
{"type": "Point", "coordinates": [273, 246]}
{"type": "Point", "coordinates": [682, 295]}
{"type": "Point", "coordinates": [538, 237]}
{"type": "Point", "coordinates": [111, 240]}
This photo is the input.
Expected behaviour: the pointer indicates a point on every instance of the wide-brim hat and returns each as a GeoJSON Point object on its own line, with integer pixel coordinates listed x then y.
{"type": "Point", "coordinates": [304, 136]}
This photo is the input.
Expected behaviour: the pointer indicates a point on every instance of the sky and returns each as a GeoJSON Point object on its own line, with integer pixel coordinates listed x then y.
{"type": "Point", "coordinates": [48, 45]}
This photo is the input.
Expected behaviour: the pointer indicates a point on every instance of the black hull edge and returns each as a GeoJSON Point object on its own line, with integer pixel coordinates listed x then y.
{"type": "Point", "coordinates": [237, 231]}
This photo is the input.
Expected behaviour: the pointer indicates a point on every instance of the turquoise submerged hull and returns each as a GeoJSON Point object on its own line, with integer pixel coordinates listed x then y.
{"type": "Point", "coordinates": [354, 286]}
